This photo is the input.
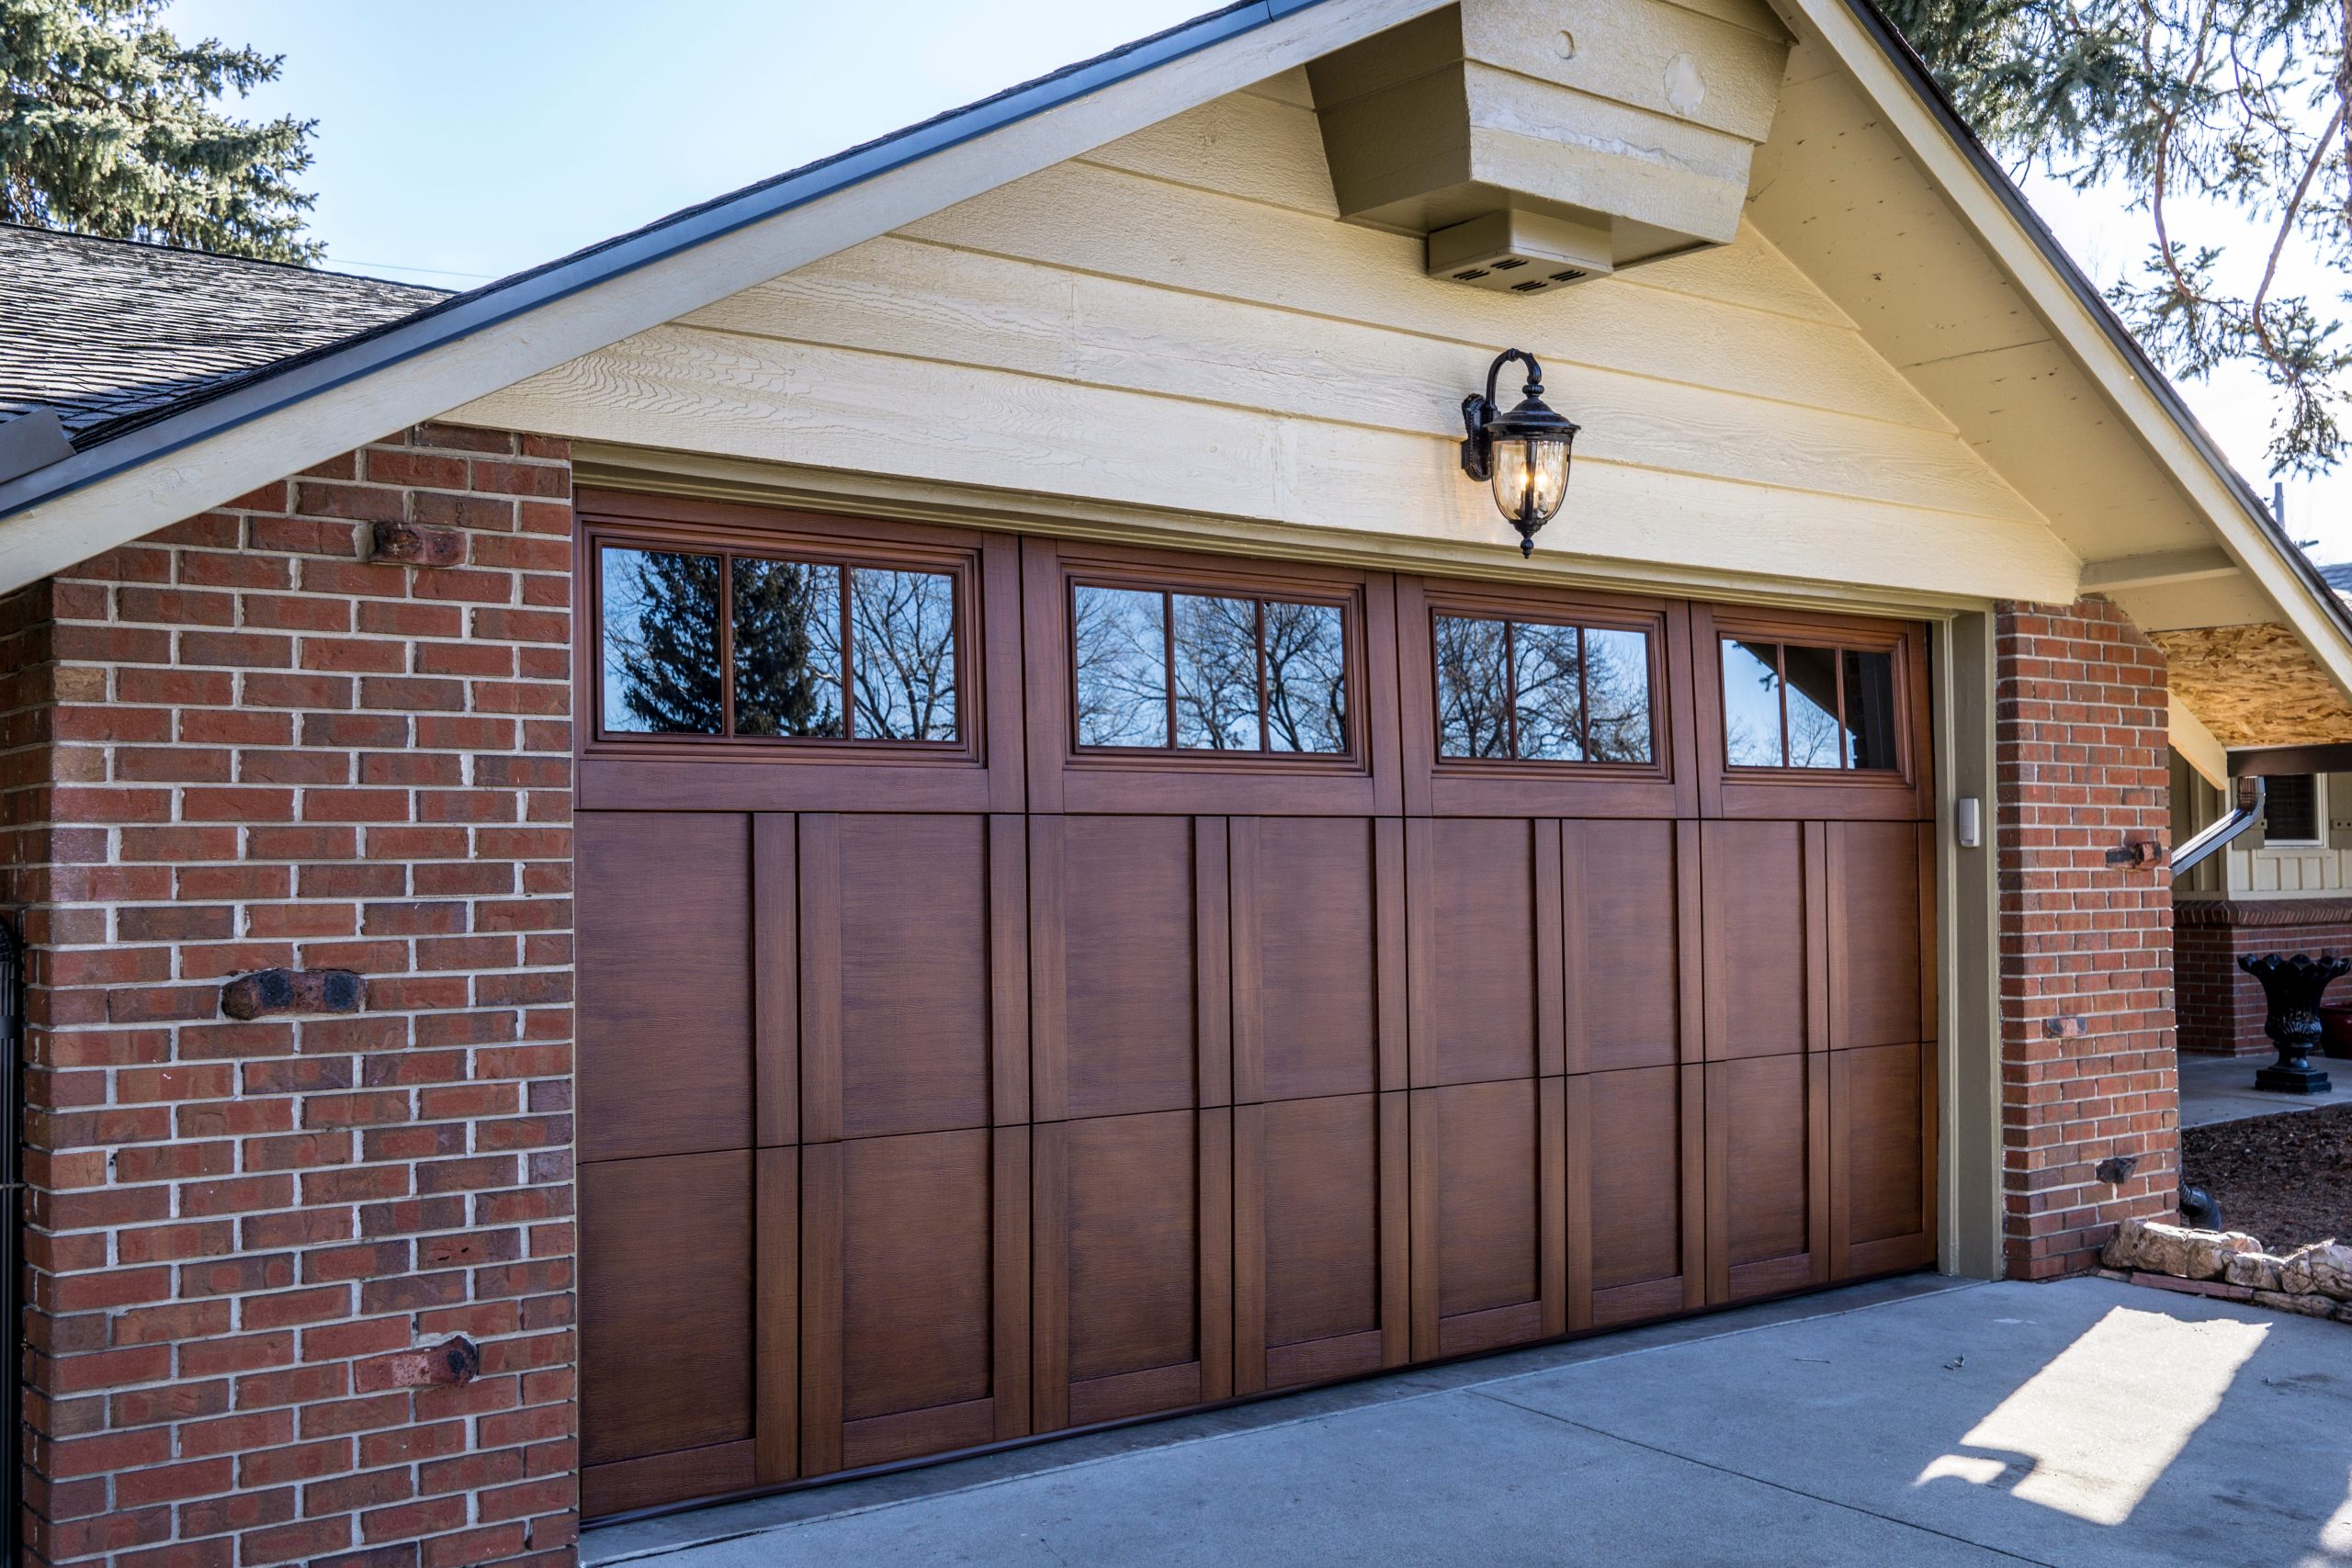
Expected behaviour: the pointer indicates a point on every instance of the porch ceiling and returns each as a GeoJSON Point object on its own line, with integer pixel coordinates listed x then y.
{"type": "Point", "coordinates": [2255, 685]}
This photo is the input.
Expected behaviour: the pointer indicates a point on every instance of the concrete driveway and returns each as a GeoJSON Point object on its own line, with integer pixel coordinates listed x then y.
{"type": "Point", "coordinates": [1908, 1423]}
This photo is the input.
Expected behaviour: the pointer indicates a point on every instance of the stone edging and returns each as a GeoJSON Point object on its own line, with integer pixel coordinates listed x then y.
{"type": "Point", "coordinates": [2311, 1281]}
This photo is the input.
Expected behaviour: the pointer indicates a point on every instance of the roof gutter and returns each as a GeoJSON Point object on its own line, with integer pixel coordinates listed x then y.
{"type": "Point", "coordinates": [293, 380]}
{"type": "Point", "coordinates": [1930, 92]}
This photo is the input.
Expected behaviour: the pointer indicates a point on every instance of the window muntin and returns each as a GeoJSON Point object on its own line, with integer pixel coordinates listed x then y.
{"type": "Point", "coordinates": [1159, 670]}
{"type": "Point", "coordinates": [1542, 691]}
{"type": "Point", "coordinates": [2290, 808]}
{"type": "Point", "coordinates": [1809, 707]}
{"type": "Point", "coordinates": [807, 650]}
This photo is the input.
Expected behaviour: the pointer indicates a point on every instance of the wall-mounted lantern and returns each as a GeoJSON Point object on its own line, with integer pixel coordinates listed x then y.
{"type": "Point", "coordinates": [1524, 453]}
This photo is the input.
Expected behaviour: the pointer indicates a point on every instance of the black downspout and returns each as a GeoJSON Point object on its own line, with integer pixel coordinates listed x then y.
{"type": "Point", "coordinates": [12, 1233]}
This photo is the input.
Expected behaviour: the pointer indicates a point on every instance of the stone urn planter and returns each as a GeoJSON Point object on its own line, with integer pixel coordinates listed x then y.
{"type": "Point", "coordinates": [2292, 987]}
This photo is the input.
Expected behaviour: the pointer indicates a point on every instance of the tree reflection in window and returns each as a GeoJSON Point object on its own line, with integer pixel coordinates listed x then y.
{"type": "Point", "coordinates": [661, 652]}
{"type": "Point", "coordinates": [1217, 673]}
{"type": "Point", "coordinates": [1472, 688]}
{"type": "Point", "coordinates": [902, 654]}
{"type": "Point", "coordinates": [1120, 635]}
{"type": "Point", "coordinates": [789, 624]}
{"type": "Point", "coordinates": [787, 648]}
{"type": "Point", "coordinates": [1306, 678]}
{"type": "Point", "coordinates": [1159, 670]}
{"type": "Point", "coordinates": [1542, 691]}
{"type": "Point", "coordinates": [1797, 706]}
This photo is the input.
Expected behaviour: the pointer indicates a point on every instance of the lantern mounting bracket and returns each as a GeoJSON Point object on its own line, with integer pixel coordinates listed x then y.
{"type": "Point", "coordinates": [1479, 408]}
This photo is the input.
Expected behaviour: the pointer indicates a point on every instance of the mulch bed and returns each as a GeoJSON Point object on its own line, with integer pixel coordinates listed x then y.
{"type": "Point", "coordinates": [2284, 1180]}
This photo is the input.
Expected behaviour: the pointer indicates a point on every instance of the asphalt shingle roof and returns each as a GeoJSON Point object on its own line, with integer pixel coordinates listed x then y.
{"type": "Point", "coordinates": [111, 333]}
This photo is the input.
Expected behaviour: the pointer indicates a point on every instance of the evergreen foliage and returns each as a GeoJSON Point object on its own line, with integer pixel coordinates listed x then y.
{"type": "Point", "coordinates": [108, 126]}
{"type": "Point", "coordinates": [2240, 104]}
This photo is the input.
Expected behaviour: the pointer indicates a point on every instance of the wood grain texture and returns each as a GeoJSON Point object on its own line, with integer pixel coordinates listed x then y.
{"type": "Point", "coordinates": [776, 1315]}
{"type": "Point", "coordinates": [1115, 1112]}
{"type": "Point", "coordinates": [1621, 886]}
{"type": "Point", "coordinates": [665, 977]}
{"type": "Point", "coordinates": [688, 390]}
{"type": "Point", "coordinates": [1008, 860]}
{"type": "Point", "coordinates": [666, 1307]}
{"type": "Point", "coordinates": [776, 980]}
{"type": "Point", "coordinates": [1113, 970]}
{"type": "Point", "coordinates": [915, 1254]}
{"type": "Point", "coordinates": [1481, 952]}
{"type": "Point", "coordinates": [898, 1017]}
{"type": "Point", "coordinates": [1757, 939]}
{"type": "Point", "coordinates": [1308, 1240]}
{"type": "Point", "coordinates": [1306, 972]}
{"type": "Point", "coordinates": [1875, 943]}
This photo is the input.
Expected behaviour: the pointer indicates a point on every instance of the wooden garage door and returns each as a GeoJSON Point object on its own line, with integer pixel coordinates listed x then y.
{"type": "Point", "coordinates": [1025, 985]}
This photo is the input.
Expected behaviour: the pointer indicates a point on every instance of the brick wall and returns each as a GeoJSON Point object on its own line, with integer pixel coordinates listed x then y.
{"type": "Point", "coordinates": [2221, 1006]}
{"type": "Point", "coordinates": [2085, 947]}
{"type": "Point", "coordinates": [266, 752]}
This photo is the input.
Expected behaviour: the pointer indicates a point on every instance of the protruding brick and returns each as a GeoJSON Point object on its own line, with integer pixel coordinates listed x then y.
{"type": "Point", "coordinates": [413, 544]}
{"type": "Point", "coordinates": [277, 992]}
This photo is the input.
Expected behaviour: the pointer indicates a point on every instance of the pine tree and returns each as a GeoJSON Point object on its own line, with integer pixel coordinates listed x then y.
{"type": "Point", "coordinates": [665, 636]}
{"type": "Point", "coordinates": [108, 126]}
{"type": "Point", "coordinates": [787, 661]}
{"type": "Point", "coordinates": [2236, 103]}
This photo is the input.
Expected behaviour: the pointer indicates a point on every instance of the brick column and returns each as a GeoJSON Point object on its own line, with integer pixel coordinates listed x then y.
{"type": "Point", "coordinates": [264, 753]}
{"type": "Point", "coordinates": [2085, 946]}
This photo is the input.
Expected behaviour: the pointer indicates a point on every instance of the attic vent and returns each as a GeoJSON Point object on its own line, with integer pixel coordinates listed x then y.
{"type": "Point", "coordinates": [1486, 252]}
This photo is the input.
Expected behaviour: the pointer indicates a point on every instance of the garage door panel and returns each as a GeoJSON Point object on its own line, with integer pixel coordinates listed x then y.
{"type": "Point", "coordinates": [1882, 1154]}
{"type": "Point", "coordinates": [666, 1304]}
{"type": "Point", "coordinates": [622, 1486]}
{"type": "Point", "coordinates": [915, 1284]}
{"type": "Point", "coordinates": [1321, 1268]}
{"type": "Point", "coordinates": [1129, 1001]}
{"type": "Point", "coordinates": [896, 1022]}
{"type": "Point", "coordinates": [1768, 1175]}
{"type": "Point", "coordinates": [1488, 1216]}
{"type": "Point", "coordinates": [1134, 1246]}
{"type": "Point", "coordinates": [1877, 996]}
{"type": "Point", "coordinates": [1630, 935]}
{"type": "Point", "coordinates": [665, 964]}
{"type": "Point", "coordinates": [1484, 926]}
{"type": "Point", "coordinates": [1636, 1186]}
{"type": "Point", "coordinates": [1318, 929]}
{"type": "Point", "coordinates": [1766, 969]}
{"type": "Point", "coordinates": [912, 1125]}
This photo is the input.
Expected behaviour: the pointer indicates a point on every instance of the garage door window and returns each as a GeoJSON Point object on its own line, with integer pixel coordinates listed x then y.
{"type": "Point", "coordinates": [805, 650]}
{"type": "Point", "coordinates": [1541, 692]}
{"type": "Point", "coordinates": [1795, 705]}
{"type": "Point", "coordinates": [1162, 671]}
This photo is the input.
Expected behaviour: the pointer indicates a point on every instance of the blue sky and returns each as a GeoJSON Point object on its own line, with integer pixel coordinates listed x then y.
{"type": "Point", "coordinates": [458, 143]}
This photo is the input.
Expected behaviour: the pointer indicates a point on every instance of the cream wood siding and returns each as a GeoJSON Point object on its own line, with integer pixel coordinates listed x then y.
{"type": "Point", "coordinates": [1178, 321]}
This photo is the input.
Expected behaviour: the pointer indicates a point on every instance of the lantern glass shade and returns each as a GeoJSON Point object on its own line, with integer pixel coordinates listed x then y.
{"type": "Point", "coordinates": [1530, 479]}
